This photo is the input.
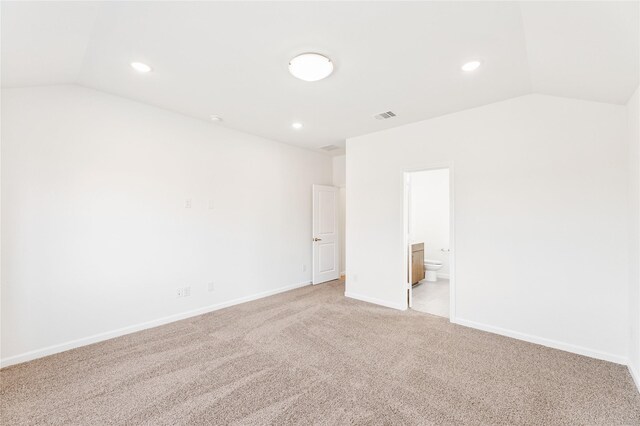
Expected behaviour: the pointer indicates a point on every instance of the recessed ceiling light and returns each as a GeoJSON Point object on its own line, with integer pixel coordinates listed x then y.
{"type": "Point", "coordinates": [311, 67]}
{"type": "Point", "coordinates": [297, 126]}
{"type": "Point", "coordinates": [471, 66]}
{"type": "Point", "coordinates": [140, 67]}
{"type": "Point", "coordinates": [215, 118]}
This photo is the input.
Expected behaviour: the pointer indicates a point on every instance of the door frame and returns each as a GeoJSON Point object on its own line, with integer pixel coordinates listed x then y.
{"type": "Point", "coordinates": [406, 191]}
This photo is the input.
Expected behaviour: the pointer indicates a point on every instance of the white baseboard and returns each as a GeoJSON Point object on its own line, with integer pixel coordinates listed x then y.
{"type": "Point", "coordinates": [50, 350]}
{"type": "Point", "coordinates": [635, 374]}
{"type": "Point", "coordinates": [375, 301]}
{"type": "Point", "coordinates": [544, 342]}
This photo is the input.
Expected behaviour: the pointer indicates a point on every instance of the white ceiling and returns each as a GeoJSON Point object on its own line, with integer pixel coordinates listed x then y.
{"type": "Point", "coordinates": [230, 59]}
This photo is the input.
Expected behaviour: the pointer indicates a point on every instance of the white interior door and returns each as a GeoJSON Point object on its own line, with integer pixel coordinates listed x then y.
{"type": "Point", "coordinates": [326, 253]}
{"type": "Point", "coordinates": [407, 232]}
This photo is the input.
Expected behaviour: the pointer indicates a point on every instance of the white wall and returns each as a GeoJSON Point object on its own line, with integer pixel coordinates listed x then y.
{"type": "Point", "coordinates": [339, 180]}
{"type": "Point", "coordinates": [541, 206]}
{"type": "Point", "coordinates": [430, 214]}
{"type": "Point", "coordinates": [633, 109]}
{"type": "Point", "coordinates": [96, 236]}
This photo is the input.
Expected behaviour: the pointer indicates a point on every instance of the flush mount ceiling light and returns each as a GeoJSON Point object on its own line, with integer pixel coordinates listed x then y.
{"type": "Point", "coordinates": [140, 67]}
{"type": "Point", "coordinates": [297, 126]}
{"type": "Point", "coordinates": [215, 118]}
{"type": "Point", "coordinates": [311, 67]}
{"type": "Point", "coordinates": [471, 66]}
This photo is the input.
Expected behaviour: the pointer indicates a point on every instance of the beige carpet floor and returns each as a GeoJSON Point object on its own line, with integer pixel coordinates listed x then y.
{"type": "Point", "coordinates": [312, 356]}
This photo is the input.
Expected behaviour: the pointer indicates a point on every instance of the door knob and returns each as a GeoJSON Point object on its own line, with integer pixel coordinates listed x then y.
{"type": "Point", "coordinates": [317, 239]}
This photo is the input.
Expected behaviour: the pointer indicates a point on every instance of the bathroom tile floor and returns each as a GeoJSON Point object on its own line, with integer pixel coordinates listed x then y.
{"type": "Point", "coordinates": [432, 297]}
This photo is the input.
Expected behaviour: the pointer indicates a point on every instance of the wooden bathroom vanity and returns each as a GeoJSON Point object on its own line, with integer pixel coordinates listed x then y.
{"type": "Point", "coordinates": [417, 262]}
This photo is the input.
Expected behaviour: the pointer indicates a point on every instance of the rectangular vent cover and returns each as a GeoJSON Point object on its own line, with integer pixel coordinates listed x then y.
{"type": "Point", "coordinates": [330, 147]}
{"type": "Point", "coordinates": [384, 115]}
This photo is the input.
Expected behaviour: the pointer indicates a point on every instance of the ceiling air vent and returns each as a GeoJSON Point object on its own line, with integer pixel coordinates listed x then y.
{"type": "Point", "coordinates": [384, 115]}
{"type": "Point", "coordinates": [330, 147]}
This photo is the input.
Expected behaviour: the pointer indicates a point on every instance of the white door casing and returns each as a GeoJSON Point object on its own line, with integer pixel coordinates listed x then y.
{"type": "Point", "coordinates": [408, 233]}
{"type": "Point", "coordinates": [326, 252]}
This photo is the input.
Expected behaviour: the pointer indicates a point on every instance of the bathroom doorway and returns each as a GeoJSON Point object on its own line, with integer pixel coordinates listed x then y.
{"type": "Point", "coordinates": [429, 236]}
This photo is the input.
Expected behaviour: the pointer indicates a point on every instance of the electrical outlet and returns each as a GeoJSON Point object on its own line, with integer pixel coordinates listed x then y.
{"type": "Point", "coordinates": [211, 286]}
{"type": "Point", "coordinates": [304, 268]}
{"type": "Point", "coordinates": [211, 205]}
{"type": "Point", "coordinates": [187, 203]}
{"type": "Point", "coordinates": [183, 292]}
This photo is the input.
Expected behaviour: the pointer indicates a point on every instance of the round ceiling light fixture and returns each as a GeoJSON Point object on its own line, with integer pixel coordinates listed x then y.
{"type": "Point", "coordinates": [471, 66]}
{"type": "Point", "coordinates": [297, 126]}
{"type": "Point", "coordinates": [311, 67]}
{"type": "Point", "coordinates": [140, 67]}
{"type": "Point", "coordinates": [215, 118]}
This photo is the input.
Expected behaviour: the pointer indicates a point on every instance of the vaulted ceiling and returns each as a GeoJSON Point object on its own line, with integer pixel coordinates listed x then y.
{"type": "Point", "coordinates": [230, 58]}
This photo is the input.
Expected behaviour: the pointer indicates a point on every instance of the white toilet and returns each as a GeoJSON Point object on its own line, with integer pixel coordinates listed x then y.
{"type": "Point", "coordinates": [432, 266]}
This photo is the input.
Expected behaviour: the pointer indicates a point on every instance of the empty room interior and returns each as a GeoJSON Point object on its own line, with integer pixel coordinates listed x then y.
{"type": "Point", "coordinates": [331, 213]}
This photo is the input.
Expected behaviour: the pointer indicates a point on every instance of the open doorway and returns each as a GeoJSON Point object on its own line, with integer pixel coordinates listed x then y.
{"type": "Point", "coordinates": [428, 217]}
